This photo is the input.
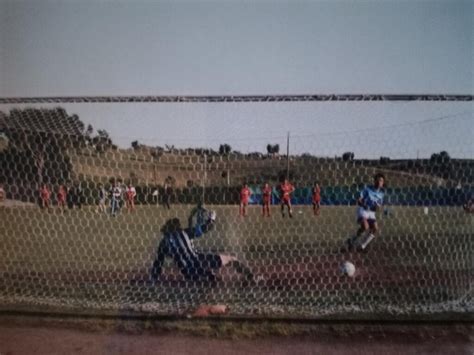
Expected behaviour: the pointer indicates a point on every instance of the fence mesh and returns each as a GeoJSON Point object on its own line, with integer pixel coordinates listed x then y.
{"type": "Point", "coordinates": [164, 225]}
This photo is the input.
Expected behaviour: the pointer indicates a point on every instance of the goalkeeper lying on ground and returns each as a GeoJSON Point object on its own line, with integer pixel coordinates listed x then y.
{"type": "Point", "coordinates": [177, 244]}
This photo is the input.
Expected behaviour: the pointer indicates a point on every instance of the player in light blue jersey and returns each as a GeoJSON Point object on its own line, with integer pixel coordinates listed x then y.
{"type": "Point", "coordinates": [369, 201]}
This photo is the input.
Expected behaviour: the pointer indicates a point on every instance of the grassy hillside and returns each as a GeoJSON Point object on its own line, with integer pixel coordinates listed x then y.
{"type": "Point", "coordinates": [221, 170]}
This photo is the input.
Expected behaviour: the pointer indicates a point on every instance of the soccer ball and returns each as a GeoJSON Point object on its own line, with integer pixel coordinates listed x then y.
{"type": "Point", "coordinates": [348, 269]}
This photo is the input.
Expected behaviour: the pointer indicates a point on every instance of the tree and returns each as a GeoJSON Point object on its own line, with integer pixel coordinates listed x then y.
{"type": "Point", "coordinates": [224, 149]}
{"type": "Point", "coordinates": [135, 145]}
{"type": "Point", "coordinates": [89, 131]}
{"type": "Point", "coordinates": [441, 164]}
{"type": "Point", "coordinates": [102, 141]}
{"type": "Point", "coordinates": [102, 133]}
{"type": "Point", "coordinates": [348, 156]}
{"type": "Point", "coordinates": [273, 149]}
{"type": "Point", "coordinates": [440, 158]}
{"type": "Point", "coordinates": [384, 160]}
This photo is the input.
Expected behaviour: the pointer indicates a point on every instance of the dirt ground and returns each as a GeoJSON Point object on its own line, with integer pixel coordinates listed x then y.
{"type": "Point", "coordinates": [33, 335]}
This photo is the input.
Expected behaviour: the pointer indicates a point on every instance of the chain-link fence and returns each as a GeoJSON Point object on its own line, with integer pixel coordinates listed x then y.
{"type": "Point", "coordinates": [88, 223]}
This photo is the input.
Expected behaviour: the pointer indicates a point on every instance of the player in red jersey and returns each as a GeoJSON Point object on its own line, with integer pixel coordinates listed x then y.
{"type": "Point", "coordinates": [130, 194]}
{"type": "Point", "coordinates": [244, 199]}
{"type": "Point", "coordinates": [45, 196]}
{"type": "Point", "coordinates": [266, 199]}
{"type": "Point", "coordinates": [316, 199]}
{"type": "Point", "coordinates": [286, 189]}
{"type": "Point", "coordinates": [62, 197]}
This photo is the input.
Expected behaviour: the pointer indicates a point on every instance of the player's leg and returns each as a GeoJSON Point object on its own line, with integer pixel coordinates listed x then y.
{"type": "Point", "coordinates": [282, 208]}
{"type": "Point", "coordinates": [363, 227]}
{"type": "Point", "coordinates": [238, 266]}
{"type": "Point", "coordinates": [112, 207]}
{"type": "Point", "coordinates": [318, 208]}
{"type": "Point", "coordinates": [267, 205]}
{"type": "Point", "coordinates": [290, 210]}
{"type": "Point", "coordinates": [373, 228]}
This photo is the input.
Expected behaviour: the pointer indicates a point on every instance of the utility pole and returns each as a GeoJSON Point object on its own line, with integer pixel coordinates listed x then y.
{"type": "Point", "coordinates": [204, 179]}
{"type": "Point", "coordinates": [288, 156]}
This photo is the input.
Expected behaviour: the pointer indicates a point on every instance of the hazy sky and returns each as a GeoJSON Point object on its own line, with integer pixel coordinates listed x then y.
{"type": "Point", "coordinates": [58, 48]}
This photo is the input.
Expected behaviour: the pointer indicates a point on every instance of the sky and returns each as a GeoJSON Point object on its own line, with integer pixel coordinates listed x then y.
{"type": "Point", "coordinates": [234, 47]}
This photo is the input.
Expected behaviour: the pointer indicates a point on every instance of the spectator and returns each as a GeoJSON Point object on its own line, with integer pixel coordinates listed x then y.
{"type": "Point", "coordinates": [155, 195]}
{"type": "Point", "coordinates": [316, 199]}
{"type": "Point", "coordinates": [266, 199]}
{"type": "Point", "coordinates": [245, 194]}
{"type": "Point", "coordinates": [130, 194]}
{"type": "Point", "coordinates": [116, 196]}
{"type": "Point", "coordinates": [45, 196]}
{"type": "Point", "coordinates": [70, 196]}
{"type": "Point", "coordinates": [79, 195]}
{"type": "Point", "coordinates": [286, 189]}
{"type": "Point", "coordinates": [62, 197]}
{"type": "Point", "coordinates": [168, 191]}
{"type": "Point", "coordinates": [102, 199]}
{"type": "Point", "coordinates": [2, 193]}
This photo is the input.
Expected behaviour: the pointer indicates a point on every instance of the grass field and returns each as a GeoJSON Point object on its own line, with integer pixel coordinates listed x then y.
{"type": "Point", "coordinates": [80, 260]}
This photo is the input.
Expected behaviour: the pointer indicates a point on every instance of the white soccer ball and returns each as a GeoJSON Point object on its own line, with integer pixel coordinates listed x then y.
{"type": "Point", "coordinates": [348, 269]}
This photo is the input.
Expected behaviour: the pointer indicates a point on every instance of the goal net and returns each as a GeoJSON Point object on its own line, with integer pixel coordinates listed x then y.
{"type": "Point", "coordinates": [161, 205]}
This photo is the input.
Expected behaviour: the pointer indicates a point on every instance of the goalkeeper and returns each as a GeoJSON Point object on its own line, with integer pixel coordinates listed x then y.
{"type": "Point", "coordinates": [196, 266]}
{"type": "Point", "coordinates": [370, 200]}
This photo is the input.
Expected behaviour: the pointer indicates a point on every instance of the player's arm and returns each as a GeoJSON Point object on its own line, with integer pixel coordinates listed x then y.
{"type": "Point", "coordinates": [377, 204]}
{"type": "Point", "coordinates": [361, 200]}
{"type": "Point", "coordinates": [201, 229]}
{"type": "Point", "coordinates": [159, 259]}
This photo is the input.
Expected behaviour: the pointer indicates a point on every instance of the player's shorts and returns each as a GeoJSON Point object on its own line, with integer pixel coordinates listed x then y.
{"type": "Point", "coordinates": [316, 201]}
{"type": "Point", "coordinates": [362, 213]}
{"type": "Point", "coordinates": [244, 202]}
{"type": "Point", "coordinates": [285, 200]}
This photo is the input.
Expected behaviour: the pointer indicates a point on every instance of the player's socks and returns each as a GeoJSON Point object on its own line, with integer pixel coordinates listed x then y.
{"type": "Point", "coordinates": [366, 241]}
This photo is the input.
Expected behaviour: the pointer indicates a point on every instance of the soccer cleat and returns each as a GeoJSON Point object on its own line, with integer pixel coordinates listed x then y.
{"type": "Point", "coordinates": [363, 250]}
